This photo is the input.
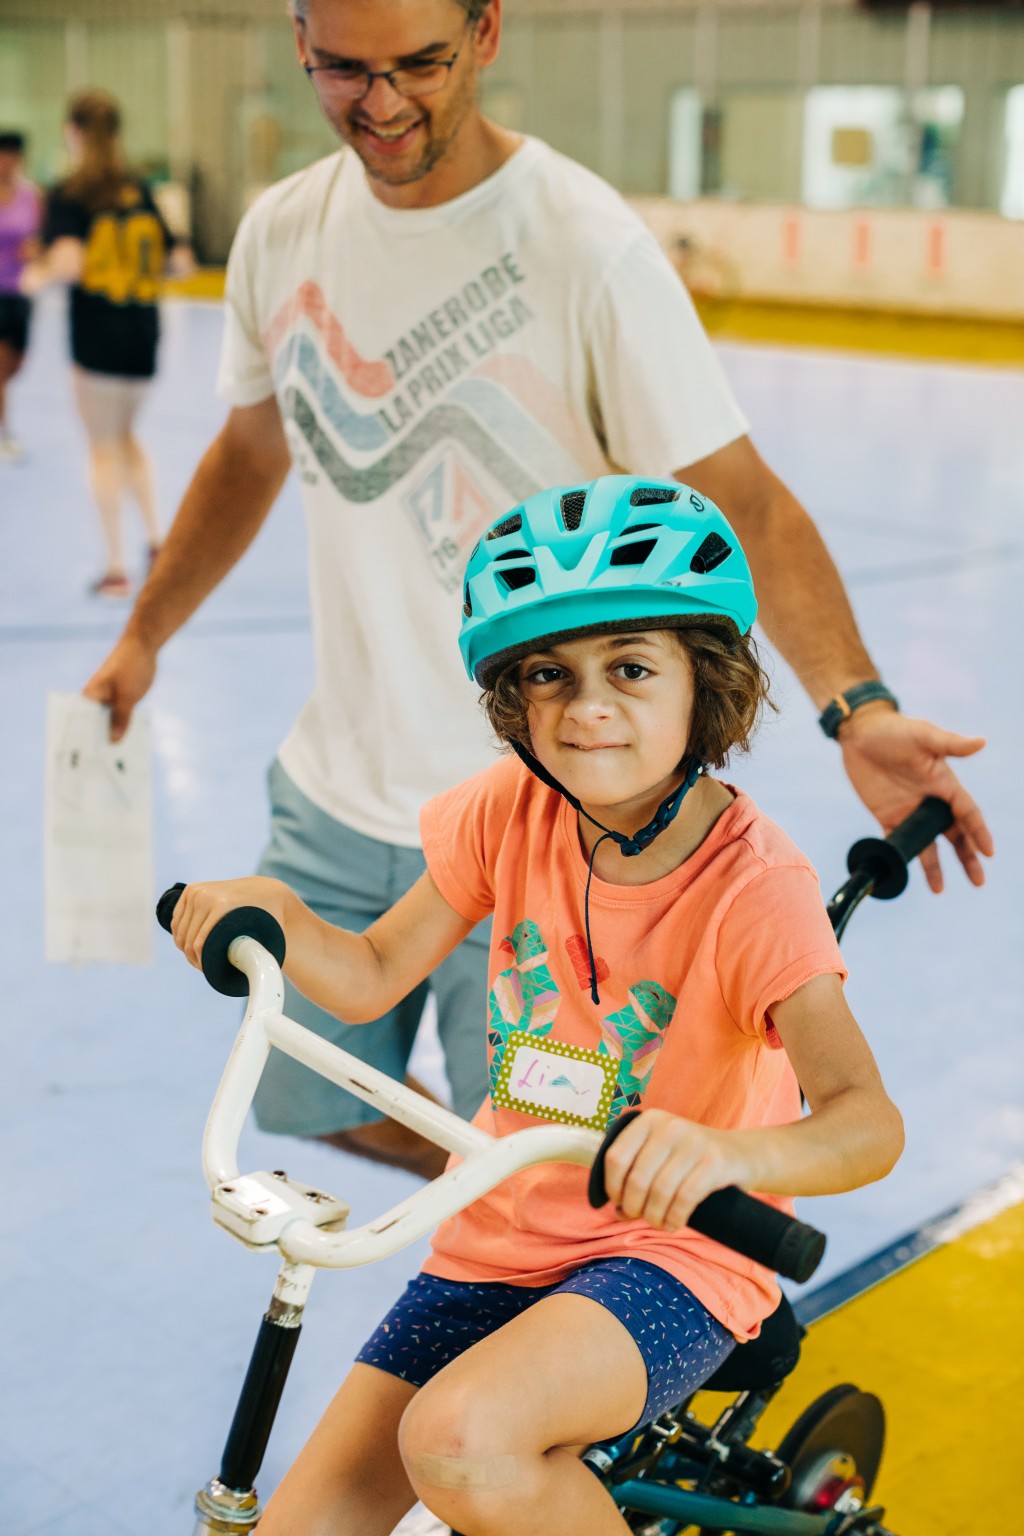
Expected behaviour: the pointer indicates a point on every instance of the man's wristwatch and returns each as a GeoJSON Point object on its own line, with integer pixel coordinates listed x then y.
{"type": "Point", "coordinates": [843, 705]}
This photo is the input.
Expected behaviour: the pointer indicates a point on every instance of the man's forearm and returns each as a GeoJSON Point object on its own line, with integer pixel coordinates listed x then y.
{"type": "Point", "coordinates": [220, 514]}
{"type": "Point", "coordinates": [802, 603]}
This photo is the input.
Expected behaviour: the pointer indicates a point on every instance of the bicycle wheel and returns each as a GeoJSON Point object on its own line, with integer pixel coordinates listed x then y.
{"type": "Point", "coordinates": [833, 1450]}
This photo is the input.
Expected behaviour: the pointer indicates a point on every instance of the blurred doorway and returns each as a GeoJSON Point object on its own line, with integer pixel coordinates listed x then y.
{"type": "Point", "coordinates": [1011, 202]}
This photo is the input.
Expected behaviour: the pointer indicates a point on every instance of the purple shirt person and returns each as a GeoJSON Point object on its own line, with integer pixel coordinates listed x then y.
{"type": "Point", "coordinates": [20, 217]}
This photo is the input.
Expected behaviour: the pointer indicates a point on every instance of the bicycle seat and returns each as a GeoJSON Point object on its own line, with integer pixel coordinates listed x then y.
{"type": "Point", "coordinates": [766, 1360]}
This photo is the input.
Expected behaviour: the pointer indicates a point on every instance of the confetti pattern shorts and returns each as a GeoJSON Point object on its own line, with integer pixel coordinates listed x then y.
{"type": "Point", "coordinates": [434, 1321]}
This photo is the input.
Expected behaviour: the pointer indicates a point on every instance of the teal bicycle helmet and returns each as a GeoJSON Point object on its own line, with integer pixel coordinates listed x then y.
{"type": "Point", "coordinates": [618, 553]}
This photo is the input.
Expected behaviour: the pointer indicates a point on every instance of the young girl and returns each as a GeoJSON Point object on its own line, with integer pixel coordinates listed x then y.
{"type": "Point", "coordinates": [658, 943]}
{"type": "Point", "coordinates": [105, 236]}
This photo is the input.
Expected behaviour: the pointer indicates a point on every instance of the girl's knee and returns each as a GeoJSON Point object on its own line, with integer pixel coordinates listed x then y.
{"type": "Point", "coordinates": [455, 1457]}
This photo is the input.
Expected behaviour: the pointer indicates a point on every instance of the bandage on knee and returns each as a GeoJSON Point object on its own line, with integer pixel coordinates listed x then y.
{"type": "Point", "coordinates": [466, 1471]}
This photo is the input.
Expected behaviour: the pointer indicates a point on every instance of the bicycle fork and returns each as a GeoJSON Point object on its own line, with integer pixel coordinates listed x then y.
{"type": "Point", "coordinates": [228, 1504]}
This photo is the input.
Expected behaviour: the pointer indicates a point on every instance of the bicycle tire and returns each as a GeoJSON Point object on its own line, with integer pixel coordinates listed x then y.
{"type": "Point", "coordinates": [836, 1444]}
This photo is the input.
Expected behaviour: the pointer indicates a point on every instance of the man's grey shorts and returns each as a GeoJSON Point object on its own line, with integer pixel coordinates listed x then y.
{"type": "Point", "coordinates": [350, 880]}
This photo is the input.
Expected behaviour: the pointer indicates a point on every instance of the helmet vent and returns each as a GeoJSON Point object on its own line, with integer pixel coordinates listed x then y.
{"type": "Point", "coordinates": [710, 554]}
{"type": "Point", "coordinates": [640, 528]}
{"type": "Point", "coordinates": [571, 506]}
{"type": "Point", "coordinates": [632, 554]}
{"type": "Point", "coordinates": [467, 604]}
{"type": "Point", "coordinates": [510, 524]}
{"type": "Point", "coordinates": [652, 495]}
{"type": "Point", "coordinates": [518, 576]}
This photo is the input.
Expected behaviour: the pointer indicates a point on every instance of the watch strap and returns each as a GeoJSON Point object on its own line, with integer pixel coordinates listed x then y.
{"type": "Point", "coordinates": [843, 705]}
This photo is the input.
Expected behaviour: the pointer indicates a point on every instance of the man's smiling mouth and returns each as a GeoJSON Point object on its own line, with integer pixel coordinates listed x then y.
{"type": "Point", "coordinates": [388, 135]}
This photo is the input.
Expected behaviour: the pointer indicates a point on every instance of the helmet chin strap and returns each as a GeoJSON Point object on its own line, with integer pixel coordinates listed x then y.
{"type": "Point", "coordinates": [629, 847]}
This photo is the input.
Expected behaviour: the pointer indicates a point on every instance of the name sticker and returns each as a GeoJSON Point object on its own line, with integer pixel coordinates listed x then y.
{"type": "Point", "coordinates": [557, 1082]}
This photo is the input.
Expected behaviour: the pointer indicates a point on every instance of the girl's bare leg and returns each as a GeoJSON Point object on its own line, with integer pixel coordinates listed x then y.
{"type": "Point", "coordinates": [491, 1445]}
{"type": "Point", "coordinates": [105, 482]}
{"type": "Point", "coordinates": [10, 362]}
{"type": "Point", "coordinates": [348, 1480]}
{"type": "Point", "coordinates": [138, 480]}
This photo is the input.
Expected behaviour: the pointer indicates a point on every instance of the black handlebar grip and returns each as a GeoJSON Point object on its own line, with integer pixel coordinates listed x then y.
{"type": "Point", "coordinates": [252, 922]}
{"type": "Point", "coordinates": [737, 1220]}
{"type": "Point", "coordinates": [885, 859]}
{"type": "Point", "coordinates": [761, 1232]}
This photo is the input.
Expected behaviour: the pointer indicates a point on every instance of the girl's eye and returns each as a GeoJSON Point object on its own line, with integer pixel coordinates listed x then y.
{"type": "Point", "coordinates": [633, 671]}
{"type": "Point", "coordinates": [542, 675]}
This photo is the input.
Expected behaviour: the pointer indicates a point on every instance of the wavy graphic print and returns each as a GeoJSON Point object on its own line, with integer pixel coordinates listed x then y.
{"type": "Point", "coordinates": [371, 379]}
{"type": "Point", "coordinates": [361, 484]}
{"type": "Point", "coordinates": [326, 387]}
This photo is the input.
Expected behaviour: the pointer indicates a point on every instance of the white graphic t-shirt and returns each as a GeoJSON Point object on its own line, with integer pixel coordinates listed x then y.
{"type": "Point", "coordinates": [434, 367]}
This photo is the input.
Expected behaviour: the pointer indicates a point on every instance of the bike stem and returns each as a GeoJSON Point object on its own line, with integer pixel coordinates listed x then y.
{"type": "Point", "coordinates": [228, 1504]}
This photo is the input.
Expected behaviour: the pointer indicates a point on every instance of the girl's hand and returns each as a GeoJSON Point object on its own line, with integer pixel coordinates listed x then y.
{"type": "Point", "coordinates": [200, 908]}
{"type": "Point", "coordinates": [662, 1166]}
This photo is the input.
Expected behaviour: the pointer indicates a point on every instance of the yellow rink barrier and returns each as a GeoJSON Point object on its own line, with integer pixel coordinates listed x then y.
{"type": "Point", "coordinates": [940, 1343]}
{"type": "Point", "coordinates": [204, 283]}
{"type": "Point", "coordinates": [902, 333]}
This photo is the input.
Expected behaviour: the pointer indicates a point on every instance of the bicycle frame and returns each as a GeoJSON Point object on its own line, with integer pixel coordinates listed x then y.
{"type": "Point", "coordinates": [307, 1227]}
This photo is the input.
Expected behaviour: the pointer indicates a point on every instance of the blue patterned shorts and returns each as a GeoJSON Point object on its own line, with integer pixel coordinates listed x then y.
{"type": "Point", "coordinates": [434, 1321]}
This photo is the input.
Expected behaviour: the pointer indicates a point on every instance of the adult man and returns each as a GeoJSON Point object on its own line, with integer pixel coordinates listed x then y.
{"type": "Point", "coordinates": [432, 327]}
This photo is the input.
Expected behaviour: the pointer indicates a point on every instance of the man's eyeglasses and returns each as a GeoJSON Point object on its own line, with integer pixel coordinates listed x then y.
{"type": "Point", "coordinates": [352, 81]}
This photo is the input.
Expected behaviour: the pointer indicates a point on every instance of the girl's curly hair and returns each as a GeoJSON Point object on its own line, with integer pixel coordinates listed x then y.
{"type": "Point", "coordinates": [731, 693]}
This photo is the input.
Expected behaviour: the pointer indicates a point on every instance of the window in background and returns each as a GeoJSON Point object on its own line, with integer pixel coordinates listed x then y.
{"type": "Point", "coordinates": [761, 145]}
{"type": "Point", "coordinates": [1012, 201]}
{"type": "Point", "coordinates": [869, 146]}
{"type": "Point", "coordinates": [938, 115]}
{"type": "Point", "coordinates": [685, 145]}
{"type": "Point", "coordinates": [855, 146]}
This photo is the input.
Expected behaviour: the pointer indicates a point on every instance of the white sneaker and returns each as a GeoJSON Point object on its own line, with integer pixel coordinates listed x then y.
{"type": "Point", "coordinates": [420, 1522]}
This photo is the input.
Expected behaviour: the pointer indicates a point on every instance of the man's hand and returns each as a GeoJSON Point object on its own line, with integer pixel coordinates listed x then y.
{"type": "Point", "coordinates": [894, 762]}
{"type": "Point", "coordinates": [123, 679]}
{"type": "Point", "coordinates": [221, 512]}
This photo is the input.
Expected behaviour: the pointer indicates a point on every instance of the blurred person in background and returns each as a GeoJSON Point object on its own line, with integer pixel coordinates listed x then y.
{"type": "Point", "coordinates": [432, 325]}
{"type": "Point", "coordinates": [104, 236]}
{"type": "Point", "coordinates": [21, 210]}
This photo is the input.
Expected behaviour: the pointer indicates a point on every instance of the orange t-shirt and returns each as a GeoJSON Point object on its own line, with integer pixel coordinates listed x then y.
{"type": "Point", "coordinates": [688, 967]}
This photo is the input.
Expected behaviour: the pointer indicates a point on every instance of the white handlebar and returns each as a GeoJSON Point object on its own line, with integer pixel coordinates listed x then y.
{"type": "Point", "coordinates": [486, 1160]}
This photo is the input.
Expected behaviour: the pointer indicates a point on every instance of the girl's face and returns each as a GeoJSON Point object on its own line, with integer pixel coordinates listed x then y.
{"type": "Point", "coordinates": [609, 717]}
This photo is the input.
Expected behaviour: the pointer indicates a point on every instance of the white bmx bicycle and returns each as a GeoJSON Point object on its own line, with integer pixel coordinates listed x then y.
{"type": "Point", "coordinates": [675, 1473]}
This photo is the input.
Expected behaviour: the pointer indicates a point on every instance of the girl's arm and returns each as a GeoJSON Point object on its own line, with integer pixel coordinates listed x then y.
{"type": "Point", "coordinates": [61, 262]}
{"type": "Point", "coordinates": [662, 1165]}
{"type": "Point", "coordinates": [355, 976]}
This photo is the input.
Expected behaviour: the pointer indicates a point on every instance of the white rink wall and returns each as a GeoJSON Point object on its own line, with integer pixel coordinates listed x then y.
{"type": "Point", "coordinates": [948, 261]}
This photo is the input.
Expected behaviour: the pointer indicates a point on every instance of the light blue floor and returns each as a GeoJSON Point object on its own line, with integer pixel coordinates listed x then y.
{"type": "Point", "coordinates": [129, 1317]}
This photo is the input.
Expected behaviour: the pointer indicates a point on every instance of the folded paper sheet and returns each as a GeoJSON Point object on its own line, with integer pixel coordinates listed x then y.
{"type": "Point", "coordinates": [98, 836]}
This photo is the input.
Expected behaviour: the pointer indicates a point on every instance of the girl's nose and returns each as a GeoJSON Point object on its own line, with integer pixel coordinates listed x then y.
{"type": "Point", "coordinates": [590, 699]}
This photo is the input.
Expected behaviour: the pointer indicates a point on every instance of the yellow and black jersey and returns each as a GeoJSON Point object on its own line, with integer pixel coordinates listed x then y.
{"type": "Point", "coordinates": [113, 308]}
